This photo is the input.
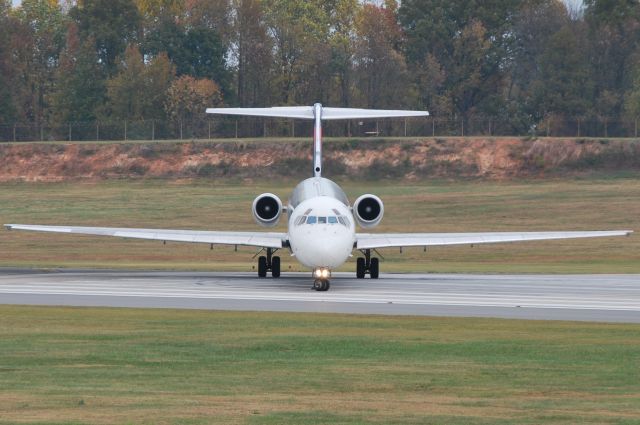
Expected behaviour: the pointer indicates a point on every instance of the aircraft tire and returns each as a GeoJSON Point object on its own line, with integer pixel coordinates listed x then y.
{"type": "Point", "coordinates": [275, 267]}
{"type": "Point", "coordinates": [321, 285]}
{"type": "Point", "coordinates": [360, 268]}
{"type": "Point", "coordinates": [262, 266]}
{"type": "Point", "coordinates": [374, 270]}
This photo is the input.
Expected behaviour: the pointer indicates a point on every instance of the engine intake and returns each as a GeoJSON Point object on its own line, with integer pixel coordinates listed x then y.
{"type": "Point", "coordinates": [267, 209]}
{"type": "Point", "coordinates": [368, 211]}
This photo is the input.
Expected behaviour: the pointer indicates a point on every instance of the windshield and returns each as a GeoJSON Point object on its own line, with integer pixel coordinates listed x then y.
{"type": "Point", "coordinates": [313, 219]}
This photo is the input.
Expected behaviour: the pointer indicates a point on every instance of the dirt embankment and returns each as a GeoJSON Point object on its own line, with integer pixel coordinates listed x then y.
{"type": "Point", "coordinates": [490, 158]}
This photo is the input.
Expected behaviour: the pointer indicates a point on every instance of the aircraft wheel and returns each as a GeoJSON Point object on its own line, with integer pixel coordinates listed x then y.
{"type": "Point", "coordinates": [374, 270]}
{"type": "Point", "coordinates": [321, 285]}
{"type": "Point", "coordinates": [275, 267]}
{"type": "Point", "coordinates": [360, 268]}
{"type": "Point", "coordinates": [262, 266]}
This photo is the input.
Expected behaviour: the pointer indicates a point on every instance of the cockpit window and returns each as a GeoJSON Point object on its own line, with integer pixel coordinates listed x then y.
{"type": "Point", "coordinates": [332, 219]}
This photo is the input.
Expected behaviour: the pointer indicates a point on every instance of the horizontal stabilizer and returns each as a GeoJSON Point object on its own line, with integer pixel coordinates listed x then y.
{"type": "Point", "coordinates": [307, 112]}
{"type": "Point", "coordinates": [301, 112]}
{"type": "Point", "coordinates": [354, 113]}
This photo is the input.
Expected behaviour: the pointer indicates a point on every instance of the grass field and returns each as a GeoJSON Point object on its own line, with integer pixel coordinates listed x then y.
{"type": "Point", "coordinates": [117, 366]}
{"type": "Point", "coordinates": [576, 204]}
{"type": "Point", "coordinates": [127, 366]}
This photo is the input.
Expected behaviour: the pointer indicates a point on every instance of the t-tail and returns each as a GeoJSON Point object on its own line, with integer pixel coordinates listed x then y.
{"type": "Point", "coordinates": [318, 113]}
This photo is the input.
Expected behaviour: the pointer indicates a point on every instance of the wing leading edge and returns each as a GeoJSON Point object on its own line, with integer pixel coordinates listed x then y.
{"type": "Point", "coordinates": [258, 239]}
{"type": "Point", "coordinates": [389, 240]}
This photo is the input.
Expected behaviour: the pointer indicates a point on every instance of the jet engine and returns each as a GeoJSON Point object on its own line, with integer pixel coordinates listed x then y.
{"type": "Point", "coordinates": [267, 209]}
{"type": "Point", "coordinates": [368, 211]}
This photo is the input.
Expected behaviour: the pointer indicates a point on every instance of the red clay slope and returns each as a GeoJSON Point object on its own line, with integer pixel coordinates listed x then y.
{"type": "Point", "coordinates": [491, 158]}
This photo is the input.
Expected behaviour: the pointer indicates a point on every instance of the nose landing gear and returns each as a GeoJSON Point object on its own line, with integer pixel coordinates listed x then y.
{"type": "Point", "coordinates": [367, 265]}
{"type": "Point", "coordinates": [321, 285]}
{"type": "Point", "coordinates": [321, 276]}
{"type": "Point", "coordinates": [269, 263]}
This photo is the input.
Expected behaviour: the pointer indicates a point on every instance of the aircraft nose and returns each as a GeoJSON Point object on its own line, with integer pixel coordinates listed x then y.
{"type": "Point", "coordinates": [325, 249]}
{"type": "Point", "coordinates": [319, 247]}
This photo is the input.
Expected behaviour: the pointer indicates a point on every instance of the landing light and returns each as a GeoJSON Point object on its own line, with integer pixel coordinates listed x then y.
{"type": "Point", "coordinates": [322, 273]}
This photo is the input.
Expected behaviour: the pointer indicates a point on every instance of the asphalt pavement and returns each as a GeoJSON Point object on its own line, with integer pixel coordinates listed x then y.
{"type": "Point", "coordinates": [604, 298]}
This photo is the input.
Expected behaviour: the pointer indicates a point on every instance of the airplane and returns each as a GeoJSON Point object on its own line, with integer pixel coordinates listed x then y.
{"type": "Point", "coordinates": [321, 222]}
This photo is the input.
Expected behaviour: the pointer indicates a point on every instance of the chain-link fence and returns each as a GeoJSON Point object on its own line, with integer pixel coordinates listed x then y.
{"type": "Point", "coordinates": [247, 127]}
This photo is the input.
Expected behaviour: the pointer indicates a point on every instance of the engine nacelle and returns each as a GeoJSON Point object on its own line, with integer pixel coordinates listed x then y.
{"type": "Point", "coordinates": [368, 211]}
{"type": "Point", "coordinates": [267, 209]}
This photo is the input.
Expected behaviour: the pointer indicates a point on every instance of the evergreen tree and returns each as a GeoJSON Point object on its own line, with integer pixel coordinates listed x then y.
{"type": "Point", "coordinates": [80, 82]}
{"type": "Point", "coordinates": [112, 24]}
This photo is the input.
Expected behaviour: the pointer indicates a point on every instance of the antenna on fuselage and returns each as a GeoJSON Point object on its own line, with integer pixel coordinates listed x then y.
{"type": "Point", "coordinates": [318, 113]}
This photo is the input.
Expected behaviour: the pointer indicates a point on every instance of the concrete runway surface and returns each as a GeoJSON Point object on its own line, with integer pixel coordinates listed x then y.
{"type": "Point", "coordinates": [606, 298]}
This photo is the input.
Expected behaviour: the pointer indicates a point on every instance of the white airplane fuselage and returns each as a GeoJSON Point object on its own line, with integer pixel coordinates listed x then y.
{"type": "Point", "coordinates": [321, 224]}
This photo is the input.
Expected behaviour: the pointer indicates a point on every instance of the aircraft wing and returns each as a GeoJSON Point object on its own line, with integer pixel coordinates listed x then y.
{"type": "Point", "coordinates": [388, 240]}
{"type": "Point", "coordinates": [258, 239]}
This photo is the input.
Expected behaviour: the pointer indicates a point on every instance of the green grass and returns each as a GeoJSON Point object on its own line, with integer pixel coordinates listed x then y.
{"type": "Point", "coordinates": [576, 204]}
{"type": "Point", "coordinates": [108, 366]}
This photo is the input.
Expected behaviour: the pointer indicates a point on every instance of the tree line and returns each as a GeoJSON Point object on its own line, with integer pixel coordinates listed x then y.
{"type": "Point", "coordinates": [523, 63]}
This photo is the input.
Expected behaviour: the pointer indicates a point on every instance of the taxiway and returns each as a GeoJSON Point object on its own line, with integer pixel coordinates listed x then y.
{"type": "Point", "coordinates": [609, 298]}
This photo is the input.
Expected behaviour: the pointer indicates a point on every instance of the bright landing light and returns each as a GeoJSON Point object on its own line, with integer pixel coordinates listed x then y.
{"type": "Point", "coordinates": [322, 273]}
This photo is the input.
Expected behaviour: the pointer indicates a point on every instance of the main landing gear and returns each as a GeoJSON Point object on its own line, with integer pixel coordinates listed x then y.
{"type": "Point", "coordinates": [367, 265]}
{"type": "Point", "coordinates": [269, 263]}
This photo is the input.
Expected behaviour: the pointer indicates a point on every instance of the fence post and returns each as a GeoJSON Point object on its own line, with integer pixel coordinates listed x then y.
{"type": "Point", "coordinates": [264, 128]}
{"type": "Point", "coordinates": [636, 132]}
{"type": "Point", "coordinates": [125, 129]}
{"type": "Point", "coordinates": [236, 129]}
{"type": "Point", "coordinates": [97, 131]}
{"type": "Point", "coordinates": [606, 133]}
{"type": "Point", "coordinates": [153, 130]}
{"type": "Point", "coordinates": [41, 133]}
{"type": "Point", "coordinates": [433, 127]}
{"type": "Point", "coordinates": [579, 121]}
{"type": "Point", "coordinates": [293, 128]}
{"type": "Point", "coordinates": [548, 125]}
{"type": "Point", "coordinates": [405, 127]}
{"type": "Point", "coordinates": [14, 132]}
{"type": "Point", "coordinates": [462, 126]}
{"type": "Point", "coordinates": [69, 131]}
{"type": "Point", "coordinates": [180, 129]}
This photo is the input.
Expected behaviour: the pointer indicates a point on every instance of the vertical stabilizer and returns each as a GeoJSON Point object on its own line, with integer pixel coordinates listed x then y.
{"type": "Point", "coordinates": [317, 140]}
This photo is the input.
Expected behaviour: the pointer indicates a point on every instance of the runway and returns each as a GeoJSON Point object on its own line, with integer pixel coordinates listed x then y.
{"type": "Point", "coordinates": [605, 298]}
